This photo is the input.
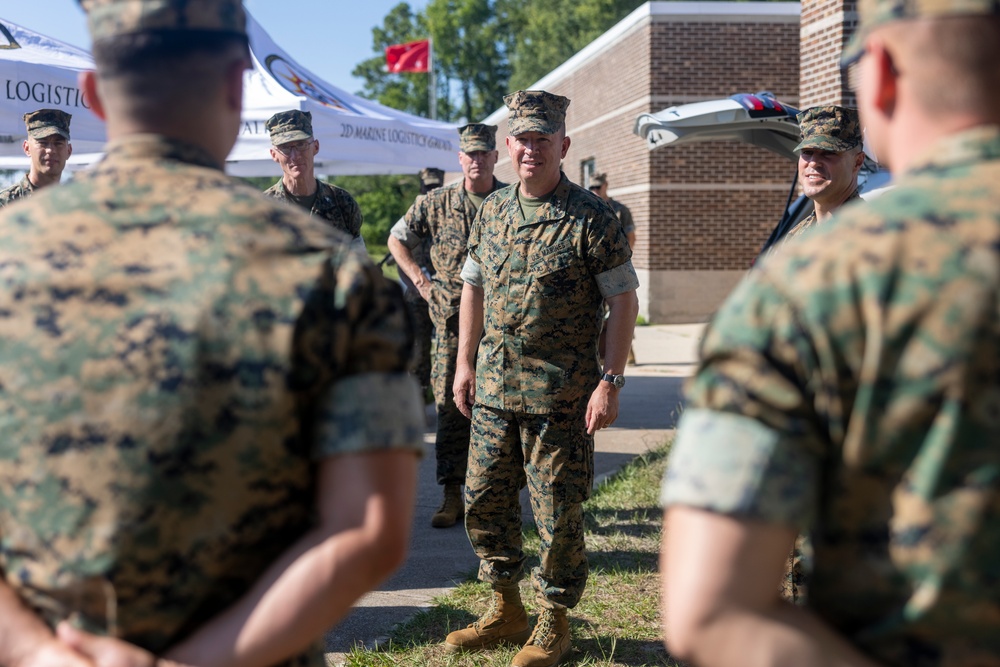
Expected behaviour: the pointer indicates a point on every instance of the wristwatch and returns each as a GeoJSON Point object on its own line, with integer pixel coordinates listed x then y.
{"type": "Point", "coordinates": [617, 380]}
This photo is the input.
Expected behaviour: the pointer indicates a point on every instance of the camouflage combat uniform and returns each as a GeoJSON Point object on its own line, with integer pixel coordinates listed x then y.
{"type": "Point", "coordinates": [543, 280]}
{"type": "Point", "coordinates": [810, 221]}
{"type": "Point", "coordinates": [19, 190]}
{"type": "Point", "coordinates": [423, 327]}
{"type": "Point", "coordinates": [333, 204]}
{"type": "Point", "coordinates": [850, 386]}
{"type": "Point", "coordinates": [178, 354]}
{"type": "Point", "coordinates": [445, 216]}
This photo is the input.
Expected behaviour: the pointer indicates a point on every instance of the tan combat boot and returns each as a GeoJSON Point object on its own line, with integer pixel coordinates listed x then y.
{"type": "Point", "coordinates": [549, 642]}
{"type": "Point", "coordinates": [505, 622]}
{"type": "Point", "coordinates": [451, 509]}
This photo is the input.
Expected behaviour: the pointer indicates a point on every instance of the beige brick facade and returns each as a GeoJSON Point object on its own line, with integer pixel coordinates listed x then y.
{"type": "Point", "coordinates": [701, 211]}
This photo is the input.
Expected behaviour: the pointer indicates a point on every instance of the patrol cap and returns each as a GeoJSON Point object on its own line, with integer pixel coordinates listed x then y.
{"type": "Point", "coordinates": [46, 122]}
{"type": "Point", "coordinates": [477, 137]}
{"type": "Point", "coordinates": [431, 177]}
{"type": "Point", "coordinates": [535, 111]}
{"type": "Point", "coordinates": [110, 18]}
{"type": "Point", "coordinates": [291, 125]}
{"type": "Point", "coordinates": [829, 128]}
{"type": "Point", "coordinates": [875, 13]}
{"type": "Point", "coordinates": [597, 180]}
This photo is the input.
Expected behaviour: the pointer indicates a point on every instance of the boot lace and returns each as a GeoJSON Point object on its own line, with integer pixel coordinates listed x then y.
{"type": "Point", "coordinates": [491, 612]}
{"type": "Point", "coordinates": [543, 629]}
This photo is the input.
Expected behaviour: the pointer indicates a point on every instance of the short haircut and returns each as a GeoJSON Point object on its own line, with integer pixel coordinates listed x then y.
{"type": "Point", "coordinates": [161, 72]}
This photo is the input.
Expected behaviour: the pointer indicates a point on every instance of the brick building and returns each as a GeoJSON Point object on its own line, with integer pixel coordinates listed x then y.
{"type": "Point", "coordinates": [703, 210]}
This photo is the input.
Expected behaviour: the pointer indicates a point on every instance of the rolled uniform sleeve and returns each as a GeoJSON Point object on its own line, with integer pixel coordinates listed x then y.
{"type": "Point", "coordinates": [402, 233]}
{"type": "Point", "coordinates": [472, 273]}
{"type": "Point", "coordinates": [750, 441]}
{"type": "Point", "coordinates": [618, 280]}
{"type": "Point", "coordinates": [358, 321]}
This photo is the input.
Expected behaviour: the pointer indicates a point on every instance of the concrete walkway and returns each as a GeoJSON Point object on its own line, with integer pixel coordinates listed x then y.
{"type": "Point", "coordinates": [441, 558]}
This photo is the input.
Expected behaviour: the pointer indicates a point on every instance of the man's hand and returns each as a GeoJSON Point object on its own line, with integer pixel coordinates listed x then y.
{"type": "Point", "coordinates": [602, 409]}
{"type": "Point", "coordinates": [424, 287]}
{"type": "Point", "coordinates": [104, 651]}
{"type": "Point", "coordinates": [465, 389]}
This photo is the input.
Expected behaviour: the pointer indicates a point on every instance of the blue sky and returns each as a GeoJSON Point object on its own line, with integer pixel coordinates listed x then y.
{"type": "Point", "coordinates": [328, 37]}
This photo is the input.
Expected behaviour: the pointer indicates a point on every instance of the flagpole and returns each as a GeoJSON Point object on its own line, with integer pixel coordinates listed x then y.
{"type": "Point", "coordinates": [430, 79]}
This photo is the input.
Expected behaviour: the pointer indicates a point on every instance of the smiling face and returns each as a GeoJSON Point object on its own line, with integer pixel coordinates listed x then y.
{"type": "Point", "coordinates": [828, 177]}
{"type": "Point", "coordinates": [48, 154]}
{"type": "Point", "coordinates": [536, 158]}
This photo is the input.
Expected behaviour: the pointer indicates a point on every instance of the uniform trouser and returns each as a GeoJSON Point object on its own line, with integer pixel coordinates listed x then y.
{"type": "Point", "coordinates": [423, 330]}
{"type": "Point", "coordinates": [551, 454]}
{"type": "Point", "coordinates": [452, 441]}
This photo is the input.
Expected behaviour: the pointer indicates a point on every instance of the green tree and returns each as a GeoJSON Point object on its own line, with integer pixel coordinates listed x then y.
{"type": "Point", "coordinates": [543, 34]}
{"type": "Point", "coordinates": [469, 54]}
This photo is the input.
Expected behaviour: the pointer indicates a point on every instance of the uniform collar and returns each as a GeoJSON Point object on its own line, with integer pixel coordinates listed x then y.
{"type": "Point", "coordinates": [159, 147]}
{"type": "Point", "coordinates": [968, 146]}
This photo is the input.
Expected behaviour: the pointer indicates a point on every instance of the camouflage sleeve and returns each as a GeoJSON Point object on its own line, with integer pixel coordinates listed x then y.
{"type": "Point", "coordinates": [472, 273]}
{"type": "Point", "coordinates": [755, 430]}
{"type": "Point", "coordinates": [618, 280]}
{"type": "Point", "coordinates": [372, 403]}
{"type": "Point", "coordinates": [355, 219]}
{"type": "Point", "coordinates": [607, 245]}
{"type": "Point", "coordinates": [402, 233]}
{"type": "Point", "coordinates": [734, 465]}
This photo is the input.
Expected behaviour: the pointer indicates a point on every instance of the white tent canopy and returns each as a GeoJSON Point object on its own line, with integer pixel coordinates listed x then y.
{"type": "Point", "coordinates": [356, 136]}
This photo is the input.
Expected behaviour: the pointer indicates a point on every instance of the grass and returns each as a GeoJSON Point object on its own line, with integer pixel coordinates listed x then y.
{"type": "Point", "coordinates": [616, 624]}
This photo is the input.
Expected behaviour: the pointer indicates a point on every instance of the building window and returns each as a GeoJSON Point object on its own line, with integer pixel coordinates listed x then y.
{"type": "Point", "coordinates": [588, 168]}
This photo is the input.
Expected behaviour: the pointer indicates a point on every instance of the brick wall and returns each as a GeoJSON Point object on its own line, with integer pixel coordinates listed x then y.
{"type": "Point", "coordinates": [826, 27]}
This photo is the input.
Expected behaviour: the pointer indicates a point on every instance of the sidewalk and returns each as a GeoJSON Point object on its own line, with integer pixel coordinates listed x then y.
{"type": "Point", "coordinates": [440, 558]}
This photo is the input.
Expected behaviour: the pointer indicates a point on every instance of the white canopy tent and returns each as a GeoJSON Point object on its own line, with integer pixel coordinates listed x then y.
{"type": "Point", "coordinates": [356, 136]}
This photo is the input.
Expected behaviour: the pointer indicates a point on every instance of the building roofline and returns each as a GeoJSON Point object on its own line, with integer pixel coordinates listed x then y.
{"type": "Point", "coordinates": [703, 12]}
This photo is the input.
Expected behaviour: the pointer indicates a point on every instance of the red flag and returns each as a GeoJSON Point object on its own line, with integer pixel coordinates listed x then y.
{"type": "Point", "coordinates": [409, 57]}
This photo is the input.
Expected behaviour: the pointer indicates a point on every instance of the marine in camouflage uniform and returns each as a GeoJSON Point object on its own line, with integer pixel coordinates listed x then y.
{"type": "Point", "coordinates": [423, 327]}
{"type": "Point", "coordinates": [48, 148]}
{"type": "Point", "coordinates": [292, 131]}
{"type": "Point", "coordinates": [444, 217]}
{"type": "Point", "coordinates": [186, 367]}
{"type": "Point", "coordinates": [543, 255]}
{"type": "Point", "coordinates": [830, 144]}
{"type": "Point", "coordinates": [849, 387]}
{"type": "Point", "coordinates": [830, 157]}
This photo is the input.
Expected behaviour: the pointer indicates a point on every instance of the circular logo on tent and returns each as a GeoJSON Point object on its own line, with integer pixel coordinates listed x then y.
{"type": "Point", "coordinates": [297, 82]}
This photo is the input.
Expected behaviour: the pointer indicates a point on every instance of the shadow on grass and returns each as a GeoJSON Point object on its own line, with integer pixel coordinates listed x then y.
{"type": "Point", "coordinates": [617, 651]}
{"type": "Point", "coordinates": [638, 522]}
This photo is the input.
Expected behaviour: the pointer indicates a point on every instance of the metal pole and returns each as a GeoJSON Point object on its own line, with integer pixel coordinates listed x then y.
{"type": "Point", "coordinates": [431, 80]}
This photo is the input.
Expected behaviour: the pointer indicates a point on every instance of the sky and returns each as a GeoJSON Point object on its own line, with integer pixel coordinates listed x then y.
{"type": "Point", "coordinates": [327, 37]}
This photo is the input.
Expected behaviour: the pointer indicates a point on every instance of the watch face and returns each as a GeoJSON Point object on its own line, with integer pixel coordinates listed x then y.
{"type": "Point", "coordinates": [619, 381]}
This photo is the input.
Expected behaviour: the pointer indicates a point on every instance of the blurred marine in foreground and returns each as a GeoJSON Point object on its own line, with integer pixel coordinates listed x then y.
{"type": "Point", "coordinates": [209, 440]}
{"type": "Point", "coordinates": [850, 388]}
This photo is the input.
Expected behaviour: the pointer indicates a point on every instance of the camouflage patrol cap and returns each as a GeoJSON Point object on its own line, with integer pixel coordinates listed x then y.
{"type": "Point", "coordinates": [597, 180]}
{"type": "Point", "coordinates": [535, 111]}
{"type": "Point", "coordinates": [431, 177]}
{"type": "Point", "coordinates": [46, 122]}
{"type": "Point", "coordinates": [110, 18]}
{"type": "Point", "coordinates": [291, 125]}
{"type": "Point", "coordinates": [875, 13]}
{"type": "Point", "coordinates": [477, 137]}
{"type": "Point", "coordinates": [829, 128]}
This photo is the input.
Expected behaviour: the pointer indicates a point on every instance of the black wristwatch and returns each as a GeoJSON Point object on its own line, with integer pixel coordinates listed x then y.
{"type": "Point", "coordinates": [617, 380]}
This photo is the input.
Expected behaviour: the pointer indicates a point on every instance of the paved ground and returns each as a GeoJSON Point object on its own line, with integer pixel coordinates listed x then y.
{"type": "Point", "coordinates": [439, 558]}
